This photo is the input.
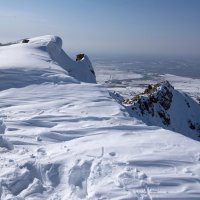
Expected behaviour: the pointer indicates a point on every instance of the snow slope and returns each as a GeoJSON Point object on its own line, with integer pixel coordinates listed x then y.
{"type": "Point", "coordinates": [64, 137]}
{"type": "Point", "coordinates": [41, 60]}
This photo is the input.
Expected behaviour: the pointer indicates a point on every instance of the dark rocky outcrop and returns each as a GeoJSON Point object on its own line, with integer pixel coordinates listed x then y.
{"type": "Point", "coordinates": [80, 57]}
{"type": "Point", "coordinates": [162, 105]}
{"type": "Point", "coordinates": [151, 98]}
{"type": "Point", "coordinates": [25, 41]}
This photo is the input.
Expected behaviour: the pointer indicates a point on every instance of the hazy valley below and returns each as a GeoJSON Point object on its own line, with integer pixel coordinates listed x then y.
{"type": "Point", "coordinates": [130, 76]}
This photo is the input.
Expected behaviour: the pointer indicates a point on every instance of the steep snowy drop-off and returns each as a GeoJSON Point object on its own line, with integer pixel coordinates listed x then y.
{"type": "Point", "coordinates": [64, 137]}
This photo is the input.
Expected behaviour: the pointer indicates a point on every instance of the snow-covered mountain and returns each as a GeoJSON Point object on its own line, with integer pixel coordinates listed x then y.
{"type": "Point", "coordinates": [41, 60]}
{"type": "Point", "coordinates": [162, 105]}
{"type": "Point", "coordinates": [64, 137]}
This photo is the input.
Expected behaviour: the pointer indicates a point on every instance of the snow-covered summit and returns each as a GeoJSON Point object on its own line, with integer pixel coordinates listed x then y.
{"type": "Point", "coordinates": [162, 105]}
{"type": "Point", "coordinates": [40, 60]}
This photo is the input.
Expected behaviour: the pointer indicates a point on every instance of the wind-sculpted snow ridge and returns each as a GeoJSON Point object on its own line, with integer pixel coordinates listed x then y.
{"type": "Point", "coordinates": [40, 60]}
{"type": "Point", "coordinates": [69, 140]}
{"type": "Point", "coordinates": [164, 106]}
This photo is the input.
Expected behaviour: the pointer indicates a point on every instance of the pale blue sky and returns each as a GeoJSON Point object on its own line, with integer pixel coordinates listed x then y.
{"type": "Point", "coordinates": [113, 27]}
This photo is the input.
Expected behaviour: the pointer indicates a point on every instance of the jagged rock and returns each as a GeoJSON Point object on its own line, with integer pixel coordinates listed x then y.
{"type": "Point", "coordinates": [25, 41]}
{"type": "Point", "coordinates": [162, 105]}
{"type": "Point", "coordinates": [80, 57]}
{"type": "Point", "coordinates": [152, 96]}
{"type": "Point", "coordinates": [165, 118]}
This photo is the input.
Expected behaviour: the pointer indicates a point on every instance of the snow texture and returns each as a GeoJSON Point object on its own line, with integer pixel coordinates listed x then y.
{"type": "Point", "coordinates": [64, 137]}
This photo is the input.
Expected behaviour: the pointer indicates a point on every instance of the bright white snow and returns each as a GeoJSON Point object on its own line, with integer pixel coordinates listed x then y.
{"type": "Point", "coordinates": [64, 137]}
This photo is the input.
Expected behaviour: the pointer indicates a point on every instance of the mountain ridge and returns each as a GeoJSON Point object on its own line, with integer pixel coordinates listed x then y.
{"type": "Point", "coordinates": [162, 105]}
{"type": "Point", "coordinates": [65, 137]}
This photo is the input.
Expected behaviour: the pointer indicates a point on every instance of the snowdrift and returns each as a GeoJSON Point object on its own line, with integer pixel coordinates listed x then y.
{"type": "Point", "coordinates": [64, 137]}
{"type": "Point", "coordinates": [40, 60]}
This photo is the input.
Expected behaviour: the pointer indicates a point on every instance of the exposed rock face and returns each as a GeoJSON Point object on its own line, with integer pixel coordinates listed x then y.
{"type": "Point", "coordinates": [25, 41]}
{"type": "Point", "coordinates": [79, 57]}
{"type": "Point", "coordinates": [164, 106]}
{"type": "Point", "coordinates": [154, 96]}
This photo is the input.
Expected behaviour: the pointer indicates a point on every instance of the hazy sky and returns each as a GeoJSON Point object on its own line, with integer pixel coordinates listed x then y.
{"type": "Point", "coordinates": [114, 27]}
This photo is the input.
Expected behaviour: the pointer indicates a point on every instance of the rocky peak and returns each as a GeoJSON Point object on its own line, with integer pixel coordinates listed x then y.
{"type": "Point", "coordinates": [158, 95]}
{"type": "Point", "coordinates": [162, 105]}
